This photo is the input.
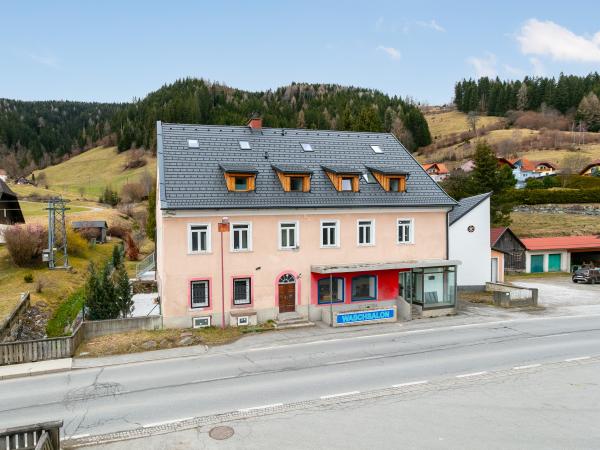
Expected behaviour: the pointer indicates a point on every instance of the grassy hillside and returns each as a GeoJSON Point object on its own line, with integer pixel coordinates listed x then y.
{"type": "Point", "coordinates": [543, 224]}
{"type": "Point", "coordinates": [86, 175]}
{"type": "Point", "coordinates": [443, 124]}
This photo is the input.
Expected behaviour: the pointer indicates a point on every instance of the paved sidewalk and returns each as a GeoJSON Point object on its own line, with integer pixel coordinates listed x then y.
{"type": "Point", "coordinates": [35, 368]}
{"type": "Point", "coordinates": [320, 332]}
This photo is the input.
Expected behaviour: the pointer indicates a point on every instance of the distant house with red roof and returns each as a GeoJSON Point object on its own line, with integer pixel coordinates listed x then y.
{"type": "Point", "coordinates": [561, 253]}
{"type": "Point", "coordinates": [523, 169]}
{"type": "Point", "coordinates": [591, 169]}
{"type": "Point", "coordinates": [437, 171]}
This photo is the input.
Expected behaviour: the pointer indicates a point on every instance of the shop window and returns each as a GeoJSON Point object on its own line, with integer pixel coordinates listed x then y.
{"type": "Point", "coordinates": [327, 291]}
{"type": "Point", "coordinates": [364, 287]}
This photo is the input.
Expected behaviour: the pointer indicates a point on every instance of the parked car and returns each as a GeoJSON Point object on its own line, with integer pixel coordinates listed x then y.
{"type": "Point", "coordinates": [589, 275]}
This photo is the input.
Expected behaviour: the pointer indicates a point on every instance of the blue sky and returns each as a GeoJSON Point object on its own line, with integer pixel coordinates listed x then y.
{"type": "Point", "coordinates": [117, 50]}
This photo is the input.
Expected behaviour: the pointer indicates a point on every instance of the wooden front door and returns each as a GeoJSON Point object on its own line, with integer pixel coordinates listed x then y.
{"type": "Point", "coordinates": [287, 297]}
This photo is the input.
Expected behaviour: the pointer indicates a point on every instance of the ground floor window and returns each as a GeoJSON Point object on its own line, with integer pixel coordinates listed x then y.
{"type": "Point", "coordinates": [434, 286]}
{"type": "Point", "coordinates": [241, 291]}
{"type": "Point", "coordinates": [199, 293]}
{"type": "Point", "coordinates": [330, 290]}
{"type": "Point", "coordinates": [364, 287]}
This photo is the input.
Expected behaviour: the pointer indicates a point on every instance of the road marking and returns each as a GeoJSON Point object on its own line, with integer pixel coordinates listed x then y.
{"type": "Point", "coordinates": [341, 394]}
{"type": "Point", "coordinates": [79, 436]}
{"type": "Point", "coordinates": [529, 366]}
{"type": "Point", "coordinates": [254, 408]}
{"type": "Point", "coordinates": [410, 383]}
{"type": "Point", "coordinates": [166, 422]}
{"type": "Point", "coordinates": [579, 358]}
{"type": "Point", "coordinates": [473, 374]}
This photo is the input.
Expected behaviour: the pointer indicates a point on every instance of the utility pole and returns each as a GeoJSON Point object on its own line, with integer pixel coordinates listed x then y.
{"type": "Point", "coordinates": [56, 254]}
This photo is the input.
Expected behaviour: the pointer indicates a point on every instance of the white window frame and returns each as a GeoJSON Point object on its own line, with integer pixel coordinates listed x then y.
{"type": "Point", "coordinates": [248, 300]}
{"type": "Point", "coordinates": [231, 237]}
{"type": "Point", "coordinates": [207, 305]}
{"type": "Point", "coordinates": [208, 238]}
{"type": "Point", "coordinates": [296, 234]}
{"type": "Point", "coordinates": [411, 225]}
{"type": "Point", "coordinates": [372, 226]}
{"type": "Point", "coordinates": [336, 234]}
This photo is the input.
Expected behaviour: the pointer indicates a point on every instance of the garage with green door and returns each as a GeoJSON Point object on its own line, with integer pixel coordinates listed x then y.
{"type": "Point", "coordinates": [537, 263]}
{"type": "Point", "coordinates": [554, 260]}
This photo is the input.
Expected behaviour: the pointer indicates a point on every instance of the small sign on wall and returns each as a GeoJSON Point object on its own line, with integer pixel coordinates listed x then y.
{"type": "Point", "coordinates": [471, 228]}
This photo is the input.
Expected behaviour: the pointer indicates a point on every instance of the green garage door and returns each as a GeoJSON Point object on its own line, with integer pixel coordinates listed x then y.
{"type": "Point", "coordinates": [554, 263]}
{"type": "Point", "coordinates": [537, 263]}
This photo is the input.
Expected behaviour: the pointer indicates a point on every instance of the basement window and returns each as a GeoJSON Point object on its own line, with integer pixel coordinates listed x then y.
{"type": "Point", "coordinates": [245, 145]}
{"type": "Point", "coordinates": [377, 148]}
{"type": "Point", "coordinates": [307, 147]}
{"type": "Point", "coordinates": [193, 143]}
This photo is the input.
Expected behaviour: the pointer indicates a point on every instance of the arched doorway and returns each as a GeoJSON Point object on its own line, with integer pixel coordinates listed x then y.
{"type": "Point", "coordinates": [287, 293]}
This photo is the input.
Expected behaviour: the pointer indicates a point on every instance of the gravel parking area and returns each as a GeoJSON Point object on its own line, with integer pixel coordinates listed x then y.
{"type": "Point", "coordinates": [561, 293]}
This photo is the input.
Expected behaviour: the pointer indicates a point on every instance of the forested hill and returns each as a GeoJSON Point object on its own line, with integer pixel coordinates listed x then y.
{"type": "Point", "coordinates": [322, 106]}
{"type": "Point", "coordinates": [36, 134]}
{"type": "Point", "coordinates": [496, 97]}
{"type": "Point", "coordinates": [35, 129]}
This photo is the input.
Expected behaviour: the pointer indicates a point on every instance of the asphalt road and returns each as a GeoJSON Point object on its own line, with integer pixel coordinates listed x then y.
{"type": "Point", "coordinates": [103, 400]}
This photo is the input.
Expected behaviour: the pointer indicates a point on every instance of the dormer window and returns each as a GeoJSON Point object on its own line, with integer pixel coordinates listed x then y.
{"type": "Point", "coordinates": [245, 145]}
{"type": "Point", "coordinates": [391, 179]}
{"type": "Point", "coordinates": [296, 184]}
{"type": "Point", "coordinates": [347, 183]}
{"type": "Point", "coordinates": [293, 178]}
{"type": "Point", "coordinates": [344, 178]}
{"type": "Point", "coordinates": [239, 177]}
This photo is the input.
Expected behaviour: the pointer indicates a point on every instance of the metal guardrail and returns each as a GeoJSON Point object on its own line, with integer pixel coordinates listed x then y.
{"type": "Point", "coordinates": [145, 265]}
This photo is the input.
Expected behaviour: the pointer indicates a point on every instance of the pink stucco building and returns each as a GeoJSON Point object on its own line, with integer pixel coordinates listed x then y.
{"type": "Point", "coordinates": [257, 224]}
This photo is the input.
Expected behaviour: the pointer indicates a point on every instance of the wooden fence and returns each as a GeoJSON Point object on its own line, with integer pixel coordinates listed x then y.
{"type": "Point", "coordinates": [41, 436]}
{"type": "Point", "coordinates": [40, 349]}
{"type": "Point", "coordinates": [65, 347]}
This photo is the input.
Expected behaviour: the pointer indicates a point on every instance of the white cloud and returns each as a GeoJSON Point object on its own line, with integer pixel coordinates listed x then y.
{"type": "Point", "coordinates": [514, 71]}
{"type": "Point", "coordinates": [431, 24]}
{"type": "Point", "coordinates": [538, 67]}
{"type": "Point", "coordinates": [391, 51]}
{"type": "Point", "coordinates": [550, 39]}
{"type": "Point", "coordinates": [45, 60]}
{"type": "Point", "coordinates": [484, 67]}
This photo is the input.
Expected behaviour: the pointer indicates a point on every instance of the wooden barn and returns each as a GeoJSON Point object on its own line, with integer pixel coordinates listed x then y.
{"type": "Point", "coordinates": [10, 210]}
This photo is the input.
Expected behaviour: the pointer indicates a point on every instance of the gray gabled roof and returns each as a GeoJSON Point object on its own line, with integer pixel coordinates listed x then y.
{"type": "Point", "coordinates": [465, 205]}
{"type": "Point", "coordinates": [4, 189]}
{"type": "Point", "coordinates": [191, 178]}
{"type": "Point", "coordinates": [292, 168]}
{"type": "Point", "coordinates": [238, 167]}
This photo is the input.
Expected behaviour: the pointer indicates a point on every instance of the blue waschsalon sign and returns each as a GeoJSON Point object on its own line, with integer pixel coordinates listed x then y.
{"type": "Point", "coordinates": [365, 316]}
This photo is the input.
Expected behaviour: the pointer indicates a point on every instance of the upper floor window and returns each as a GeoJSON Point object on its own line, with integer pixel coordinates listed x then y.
{"type": "Point", "coordinates": [293, 177]}
{"type": "Point", "coordinates": [288, 235]}
{"type": "Point", "coordinates": [245, 145]}
{"type": "Point", "coordinates": [405, 231]}
{"type": "Point", "coordinates": [296, 184]}
{"type": "Point", "coordinates": [241, 237]}
{"type": "Point", "coordinates": [199, 238]}
{"type": "Point", "coordinates": [200, 293]}
{"type": "Point", "coordinates": [364, 287]}
{"type": "Point", "coordinates": [330, 233]}
{"type": "Point", "coordinates": [343, 178]}
{"type": "Point", "coordinates": [242, 291]}
{"type": "Point", "coordinates": [347, 183]}
{"type": "Point", "coordinates": [366, 232]}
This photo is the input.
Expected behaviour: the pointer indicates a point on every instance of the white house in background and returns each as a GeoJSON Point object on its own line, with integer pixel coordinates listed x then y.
{"type": "Point", "coordinates": [469, 242]}
{"type": "Point", "coordinates": [3, 175]}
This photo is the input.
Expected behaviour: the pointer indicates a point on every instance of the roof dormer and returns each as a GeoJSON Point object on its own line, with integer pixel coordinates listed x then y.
{"type": "Point", "coordinates": [391, 179]}
{"type": "Point", "coordinates": [239, 177]}
{"type": "Point", "coordinates": [293, 178]}
{"type": "Point", "coordinates": [343, 178]}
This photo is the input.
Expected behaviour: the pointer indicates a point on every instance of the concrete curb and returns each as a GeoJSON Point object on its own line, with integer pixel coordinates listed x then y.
{"type": "Point", "coordinates": [35, 368]}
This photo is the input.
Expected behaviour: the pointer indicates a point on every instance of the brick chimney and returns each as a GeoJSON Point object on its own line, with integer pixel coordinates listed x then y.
{"type": "Point", "coordinates": [255, 123]}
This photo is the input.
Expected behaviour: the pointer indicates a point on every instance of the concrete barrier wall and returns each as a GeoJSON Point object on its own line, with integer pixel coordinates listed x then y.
{"type": "Point", "coordinates": [507, 295]}
{"type": "Point", "coordinates": [96, 328]}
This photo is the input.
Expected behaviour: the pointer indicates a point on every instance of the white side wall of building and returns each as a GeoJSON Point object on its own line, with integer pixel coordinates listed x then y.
{"type": "Point", "coordinates": [472, 248]}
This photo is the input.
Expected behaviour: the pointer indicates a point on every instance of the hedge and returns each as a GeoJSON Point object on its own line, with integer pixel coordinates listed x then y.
{"type": "Point", "coordinates": [543, 196]}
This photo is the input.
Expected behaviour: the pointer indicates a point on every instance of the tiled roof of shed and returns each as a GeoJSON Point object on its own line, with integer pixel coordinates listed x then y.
{"type": "Point", "coordinates": [191, 178]}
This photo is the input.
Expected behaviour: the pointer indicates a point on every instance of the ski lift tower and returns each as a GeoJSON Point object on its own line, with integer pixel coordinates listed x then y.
{"type": "Point", "coordinates": [56, 254]}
